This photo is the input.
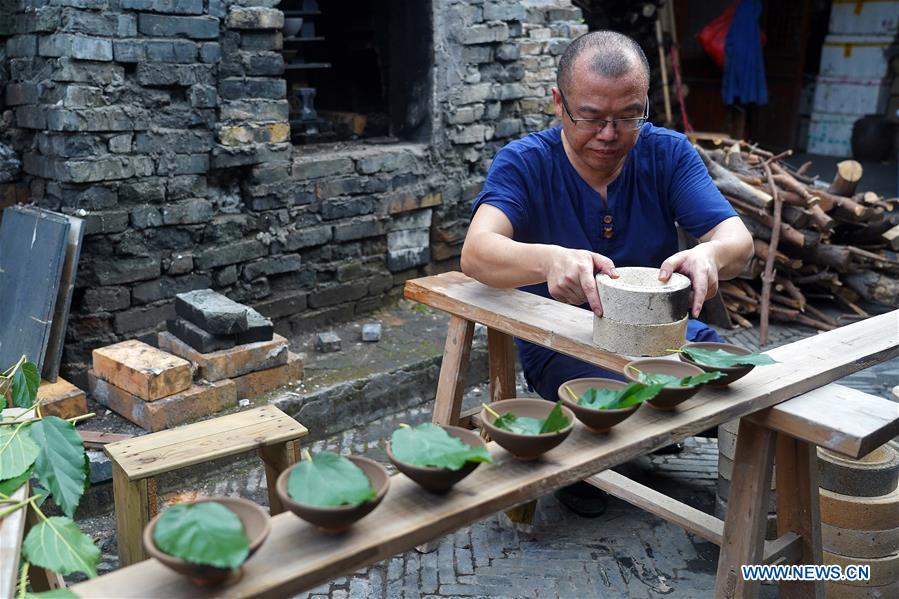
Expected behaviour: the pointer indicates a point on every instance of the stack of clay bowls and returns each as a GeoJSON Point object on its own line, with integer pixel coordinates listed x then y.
{"type": "Point", "coordinates": [642, 316]}
{"type": "Point", "coordinates": [860, 519]}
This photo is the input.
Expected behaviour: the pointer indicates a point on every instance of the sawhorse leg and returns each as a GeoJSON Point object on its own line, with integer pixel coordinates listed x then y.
{"type": "Point", "coordinates": [277, 458]}
{"type": "Point", "coordinates": [132, 513]}
{"type": "Point", "coordinates": [453, 369]}
{"type": "Point", "coordinates": [744, 528]}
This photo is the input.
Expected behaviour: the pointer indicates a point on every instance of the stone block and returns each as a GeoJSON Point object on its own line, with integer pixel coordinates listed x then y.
{"type": "Point", "coordinates": [286, 304]}
{"type": "Point", "coordinates": [202, 27]}
{"type": "Point", "coordinates": [69, 69]}
{"type": "Point", "coordinates": [261, 40]}
{"type": "Point", "coordinates": [229, 363]}
{"type": "Point", "coordinates": [371, 331]}
{"type": "Point", "coordinates": [254, 17]}
{"type": "Point", "coordinates": [106, 299]}
{"type": "Point", "coordinates": [409, 200]}
{"type": "Point", "coordinates": [75, 46]}
{"type": "Point", "coordinates": [199, 400]}
{"type": "Point", "coordinates": [189, 212]}
{"type": "Point", "coordinates": [203, 96]}
{"type": "Point", "coordinates": [241, 251]}
{"type": "Point", "coordinates": [358, 229]}
{"type": "Point", "coordinates": [136, 319]}
{"type": "Point", "coordinates": [255, 384]}
{"type": "Point", "coordinates": [254, 110]}
{"type": "Point", "coordinates": [317, 167]}
{"type": "Point", "coordinates": [212, 311]}
{"type": "Point", "coordinates": [61, 399]}
{"type": "Point", "coordinates": [21, 46]}
{"type": "Point", "coordinates": [234, 88]}
{"type": "Point", "coordinates": [197, 338]}
{"type": "Point", "coordinates": [259, 329]}
{"type": "Point", "coordinates": [507, 52]}
{"type": "Point", "coordinates": [105, 222]}
{"type": "Point", "coordinates": [338, 294]}
{"type": "Point", "coordinates": [271, 266]}
{"type": "Point", "coordinates": [482, 34]}
{"type": "Point", "coordinates": [145, 217]}
{"type": "Point", "coordinates": [408, 239]}
{"type": "Point", "coordinates": [164, 74]}
{"type": "Point", "coordinates": [327, 342]}
{"type": "Point", "coordinates": [116, 272]}
{"type": "Point", "coordinates": [142, 370]}
{"type": "Point", "coordinates": [120, 144]}
{"type": "Point", "coordinates": [175, 7]}
{"type": "Point", "coordinates": [403, 259]}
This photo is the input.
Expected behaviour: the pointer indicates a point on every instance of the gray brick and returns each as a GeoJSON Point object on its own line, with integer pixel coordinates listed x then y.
{"type": "Point", "coordinates": [180, 264]}
{"type": "Point", "coordinates": [20, 46]}
{"type": "Point", "coordinates": [358, 228]}
{"type": "Point", "coordinates": [185, 186]}
{"type": "Point", "coordinates": [31, 117]}
{"type": "Point", "coordinates": [286, 304]}
{"type": "Point", "coordinates": [404, 259]}
{"type": "Point", "coordinates": [346, 207]}
{"type": "Point", "coordinates": [75, 46]}
{"type": "Point", "coordinates": [233, 89]}
{"type": "Point", "coordinates": [254, 18]}
{"type": "Point", "coordinates": [105, 118]}
{"type": "Point", "coordinates": [211, 52]}
{"type": "Point", "coordinates": [315, 168]}
{"type": "Point", "coordinates": [261, 40]}
{"type": "Point", "coordinates": [241, 251]}
{"type": "Point", "coordinates": [307, 237]}
{"type": "Point", "coordinates": [337, 294]}
{"type": "Point", "coordinates": [482, 34]}
{"type": "Point", "coordinates": [145, 217]}
{"type": "Point", "coordinates": [495, 11]}
{"type": "Point", "coordinates": [67, 69]}
{"type": "Point", "coordinates": [182, 164]}
{"type": "Point", "coordinates": [272, 266]}
{"type": "Point", "coordinates": [106, 299]}
{"type": "Point", "coordinates": [141, 191]}
{"type": "Point", "coordinates": [105, 222]}
{"type": "Point", "coordinates": [142, 318]}
{"type": "Point", "coordinates": [120, 144]}
{"type": "Point", "coordinates": [508, 52]}
{"type": "Point", "coordinates": [190, 27]}
{"type": "Point", "coordinates": [189, 212]}
{"type": "Point", "coordinates": [257, 110]}
{"type": "Point", "coordinates": [94, 197]}
{"type": "Point", "coordinates": [19, 93]}
{"type": "Point", "coordinates": [116, 272]}
{"type": "Point", "coordinates": [203, 96]}
{"type": "Point", "coordinates": [167, 287]}
{"type": "Point", "coordinates": [180, 140]}
{"type": "Point", "coordinates": [177, 7]}
{"type": "Point", "coordinates": [82, 96]}
{"type": "Point", "coordinates": [161, 73]}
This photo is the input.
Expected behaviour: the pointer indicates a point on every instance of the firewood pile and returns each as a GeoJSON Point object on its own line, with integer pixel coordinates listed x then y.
{"type": "Point", "coordinates": [830, 243]}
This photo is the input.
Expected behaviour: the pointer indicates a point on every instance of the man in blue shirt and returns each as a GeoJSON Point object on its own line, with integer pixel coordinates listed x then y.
{"type": "Point", "coordinates": [603, 190]}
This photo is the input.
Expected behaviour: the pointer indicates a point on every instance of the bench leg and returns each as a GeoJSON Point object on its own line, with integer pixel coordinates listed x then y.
{"type": "Point", "coordinates": [277, 458]}
{"type": "Point", "coordinates": [132, 513]}
{"type": "Point", "coordinates": [453, 369]}
{"type": "Point", "coordinates": [744, 528]}
{"type": "Point", "coordinates": [798, 509]}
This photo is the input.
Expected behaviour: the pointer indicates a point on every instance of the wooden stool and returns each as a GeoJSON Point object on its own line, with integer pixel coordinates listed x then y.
{"type": "Point", "coordinates": [137, 461]}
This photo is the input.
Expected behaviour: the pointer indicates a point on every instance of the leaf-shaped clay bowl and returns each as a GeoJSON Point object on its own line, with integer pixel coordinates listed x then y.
{"type": "Point", "coordinates": [440, 480]}
{"type": "Point", "coordinates": [525, 447]}
{"type": "Point", "coordinates": [340, 518]}
{"type": "Point", "coordinates": [729, 374]}
{"type": "Point", "coordinates": [256, 524]}
{"type": "Point", "coordinates": [669, 397]}
{"type": "Point", "coordinates": [597, 421]}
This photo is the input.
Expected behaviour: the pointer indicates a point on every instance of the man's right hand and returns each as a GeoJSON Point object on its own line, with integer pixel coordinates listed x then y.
{"type": "Point", "coordinates": [571, 276]}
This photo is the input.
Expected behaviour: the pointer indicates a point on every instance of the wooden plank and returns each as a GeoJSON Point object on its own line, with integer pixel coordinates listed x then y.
{"type": "Point", "coordinates": [689, 518]}
{"type": "Point", "coordinates": [50, 370]}
{"type": "Point", "coordinates": [12, 532]}
{"type": "Point", "coordinates": [501, 366]}
{"type": "Point", "coordinates": [183, 446]}
{"type": "Point", "coordinates": [838, 418]}
{"type": "Point", "coordinates": [97, 439]}
{"type": "Point", "coordinates": [453, 369]}
{"type": "Point", "coordinates": [410, 516]}
{"type": "Point", "coordinates": [142, 370]}
{"type": "Point", "coordinates": [798, 510]}
{"type": "Point", "coordinates": [561, 327]}
{"type": "Point", "coordinates": [744, 528]}
{"type": "Point", "coordinates": [132, 514]}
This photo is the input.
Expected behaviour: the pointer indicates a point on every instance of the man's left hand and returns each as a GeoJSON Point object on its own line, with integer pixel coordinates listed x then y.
{"type": "Point", "coordinates": [700, 264]}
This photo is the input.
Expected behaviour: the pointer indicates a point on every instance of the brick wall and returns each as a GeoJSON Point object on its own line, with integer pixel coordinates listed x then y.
{"type": "Point", "coordinates": [164, 124]}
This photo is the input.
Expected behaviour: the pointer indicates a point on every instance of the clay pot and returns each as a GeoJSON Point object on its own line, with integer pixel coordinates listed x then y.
{"type": "Point", "coordinates": [597, 421]}
{"type": "Point", "coordinates": [669, 397]}
{"type": "Point", "coordinates": [729, 374]}
{"type": "Point", "coordinates": [256, 523]}
{"type": "Point", "coordinates": [525, 447]}
{"type": "Point", "coordinates": [440, 480]}
{"type": "Point", "coordinates": [340, 518]}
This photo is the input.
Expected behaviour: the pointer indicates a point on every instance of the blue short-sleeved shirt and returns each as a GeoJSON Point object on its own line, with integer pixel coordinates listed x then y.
{"type": "Point", "coordinates": [663, 181]}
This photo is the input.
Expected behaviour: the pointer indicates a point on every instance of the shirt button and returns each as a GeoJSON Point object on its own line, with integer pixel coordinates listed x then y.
{"type": "Point", "coordinates": [607, 232]}
{"type": "Point", "coordinates": [607, 219]}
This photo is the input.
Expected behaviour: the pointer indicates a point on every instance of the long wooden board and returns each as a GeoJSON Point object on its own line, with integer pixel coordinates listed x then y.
{"type": "Point", "coordinates": [561, 327]}
{"type": "Point", "coordinates": [297, 557]}
{"type": "Point", "coordinates": [12, 532]}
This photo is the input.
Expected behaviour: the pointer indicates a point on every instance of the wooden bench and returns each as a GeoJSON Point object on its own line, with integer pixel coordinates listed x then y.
{"type": "Point", "coordinates": [137, 461]}
{"type": "Point", "coordinates": [297, 557]}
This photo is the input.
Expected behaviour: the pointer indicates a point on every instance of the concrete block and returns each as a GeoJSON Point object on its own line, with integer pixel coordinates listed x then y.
{"type": "Point", "coordinates": [142, 370]}
{"type": "Point", "coordinates": [212, 312]}
{"type": "Point", "coordinates": [199, 400]}
{"type": "Point", "coordinates": [62, 399]}
{"type": "Point", "coordinates": [229, 363]}
{"type": "Point", "coordinates": [255, 384]}
{"type": "Point", "coordinates": [327, 342]}
{"type": "Point", "coordinates": [371, 331]}
{"type": "Point", "coordinates": [197, 338]}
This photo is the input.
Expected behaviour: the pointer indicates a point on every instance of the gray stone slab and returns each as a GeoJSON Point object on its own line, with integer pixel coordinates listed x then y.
{"type": "Point", "coordinates": [212, 312]}
{"type": "Point", "coordinates": [259, 328]}
{"type": "Point", "coordinates": [197, 338]}
{"type": "Point", "coordinates": [371, 331]}
{"type": "Point", "coordinates": [53, 357]}
{"type": "Point", "coordinates": [327, 342]}
{"type": "Point", "coordinates": [32, 253]}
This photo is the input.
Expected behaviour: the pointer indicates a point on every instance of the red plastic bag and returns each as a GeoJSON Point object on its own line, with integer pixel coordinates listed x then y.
{"type": "Point", "coordinates": [713, 36]}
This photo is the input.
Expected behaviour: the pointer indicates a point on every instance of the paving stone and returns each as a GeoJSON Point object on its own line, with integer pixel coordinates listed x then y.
{"type": "Point", "coordinates": [142, 370]}
{"type": "Point", "coordinates": [212, 312]}
{"type": "Point", "coordinates": [327, 342]}
{"type": "Point", "coordinates": [259, 328]}
{"type": "Point", "coordinates": [197, 338]}
{"type": "Point", "coordinates": [229, 363]}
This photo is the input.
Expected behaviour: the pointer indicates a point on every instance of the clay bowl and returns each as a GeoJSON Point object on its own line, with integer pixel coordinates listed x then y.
{"type": "Point", "coordinates": [440, 480]}
{"type": "Point", "coordinates": [597, 421]}
{"type": "Point", "coordinates": [668, 397]}
{"type": "Point", "coordinates": [525, 447]}
{"type": "Point", "coordinates": [729, 374]}
{"type": "Point", "coordinates": [256, 523]}
{"type": "Point", "coordinates": [338, 519]}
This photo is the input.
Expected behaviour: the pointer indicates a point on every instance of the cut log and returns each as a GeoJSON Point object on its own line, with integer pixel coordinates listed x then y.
{"type": "Point", "coordinates": [760, 227]}
{"type": "Point", "coordinates": [762, 249]}
{"type": "Point", "coordinates": [729, 184]}
{"type": "Point", "coordinates": [874, 287]}
{"type": "Point", "coordinates": [795, 216]}
{"type": "Point", "coordinates": [844, 208]}
{"type": "Point", "coordinates": [837, 257]}
{"type": "Point", "coordinates": [820, 219]}
{"type": "Point", "coordinates": [849, 173]}
{"type": "Point", "coordinates": [892, 237]}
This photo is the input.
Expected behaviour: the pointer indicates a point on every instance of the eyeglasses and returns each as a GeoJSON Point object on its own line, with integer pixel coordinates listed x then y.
{"type": "Point", "coordinates": [597, 125]}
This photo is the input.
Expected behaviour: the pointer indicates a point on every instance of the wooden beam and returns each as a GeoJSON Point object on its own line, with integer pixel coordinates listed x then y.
{"type": "Point", "coordinates": [453, 370]}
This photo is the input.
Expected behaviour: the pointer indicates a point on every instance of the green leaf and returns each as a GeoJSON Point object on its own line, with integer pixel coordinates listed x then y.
{"type": "Point", "coordinates": [60, 464]}
{"type": "Point", "coordinates": [429, 445]}
{"type": "Point", "coordinates": [54, 594]}
{"type": "Point", "coordinates": [25, 382]}
{"type": "Point", "coordinates": [203, 533]}
{"type": "Point", "coordinates": [58, 544]}
{"type": "Point", "coordinates": [11, 485]}
{"type": "Point", "coordinates": [668, 380]}
{"type": "Point", "coordinates": [329, 480]}
{"type": "Point", "coordinates": [525, 425]}
{"type": "Point", "coordinates": [2, 402]}
{"type": "Point", "coordinates": [617, 399]}
{"type": "Point", "coordinates": [18, 450]}
{"type": "Point", "coordinates": [722, 359]}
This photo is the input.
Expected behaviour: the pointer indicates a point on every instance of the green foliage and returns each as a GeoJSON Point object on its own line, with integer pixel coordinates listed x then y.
{"type": "Point", "coordinates": [203, 533]}
{"type": "Point", "coordinates": [60, 466]}
{"type": "Point", "coordinates": [57, 543]}
{"type": "Point", "coordinates": [25, 382]}
{"type": "Point", "coordinates": [618, 399]}
{"type": "Point", "coordinates": [671, 381]}
{"type": "Point", "coordinates": [329, 480]}
{"type": "Point", "coordinates": [720, 358]}
{"type": "Point", "coordinates": [525, 425]}
{"type": "Point", "coordinates": [54, 594]}
{"type": "Point", "coordinates": [17, 450]}
{"type": "Point", "coordinates": [11, 485]}
{"type": "Point", "coordinates": [429, 445]}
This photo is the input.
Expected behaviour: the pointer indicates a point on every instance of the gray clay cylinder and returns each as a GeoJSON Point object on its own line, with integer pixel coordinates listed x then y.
{"type": "Point", "coordinates": [638, 297]}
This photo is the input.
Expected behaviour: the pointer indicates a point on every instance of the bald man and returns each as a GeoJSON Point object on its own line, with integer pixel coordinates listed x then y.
{"type": "Point", "coordinates": [604, 189]}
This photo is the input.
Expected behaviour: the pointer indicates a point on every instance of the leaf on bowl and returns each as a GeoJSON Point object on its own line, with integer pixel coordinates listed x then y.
{"type": "Point", "coordinates": [205, 533]}
{"type": "Point", "coordinates": [329, 480]}
{"type": "Point", "coordinates": [669, 380]}
{"type": "Point", "coordinates": [618, 399]}
{"type": "Point", "coordinates": [722, 359]}
{"type": "Point", "coordinates": [431, 446]}
{"type": "Point", "coordinates": [525, 425]}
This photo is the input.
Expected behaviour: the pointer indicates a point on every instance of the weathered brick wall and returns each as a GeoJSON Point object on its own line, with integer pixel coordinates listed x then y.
{"type": "Point", "coordinates": [163, 123]}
